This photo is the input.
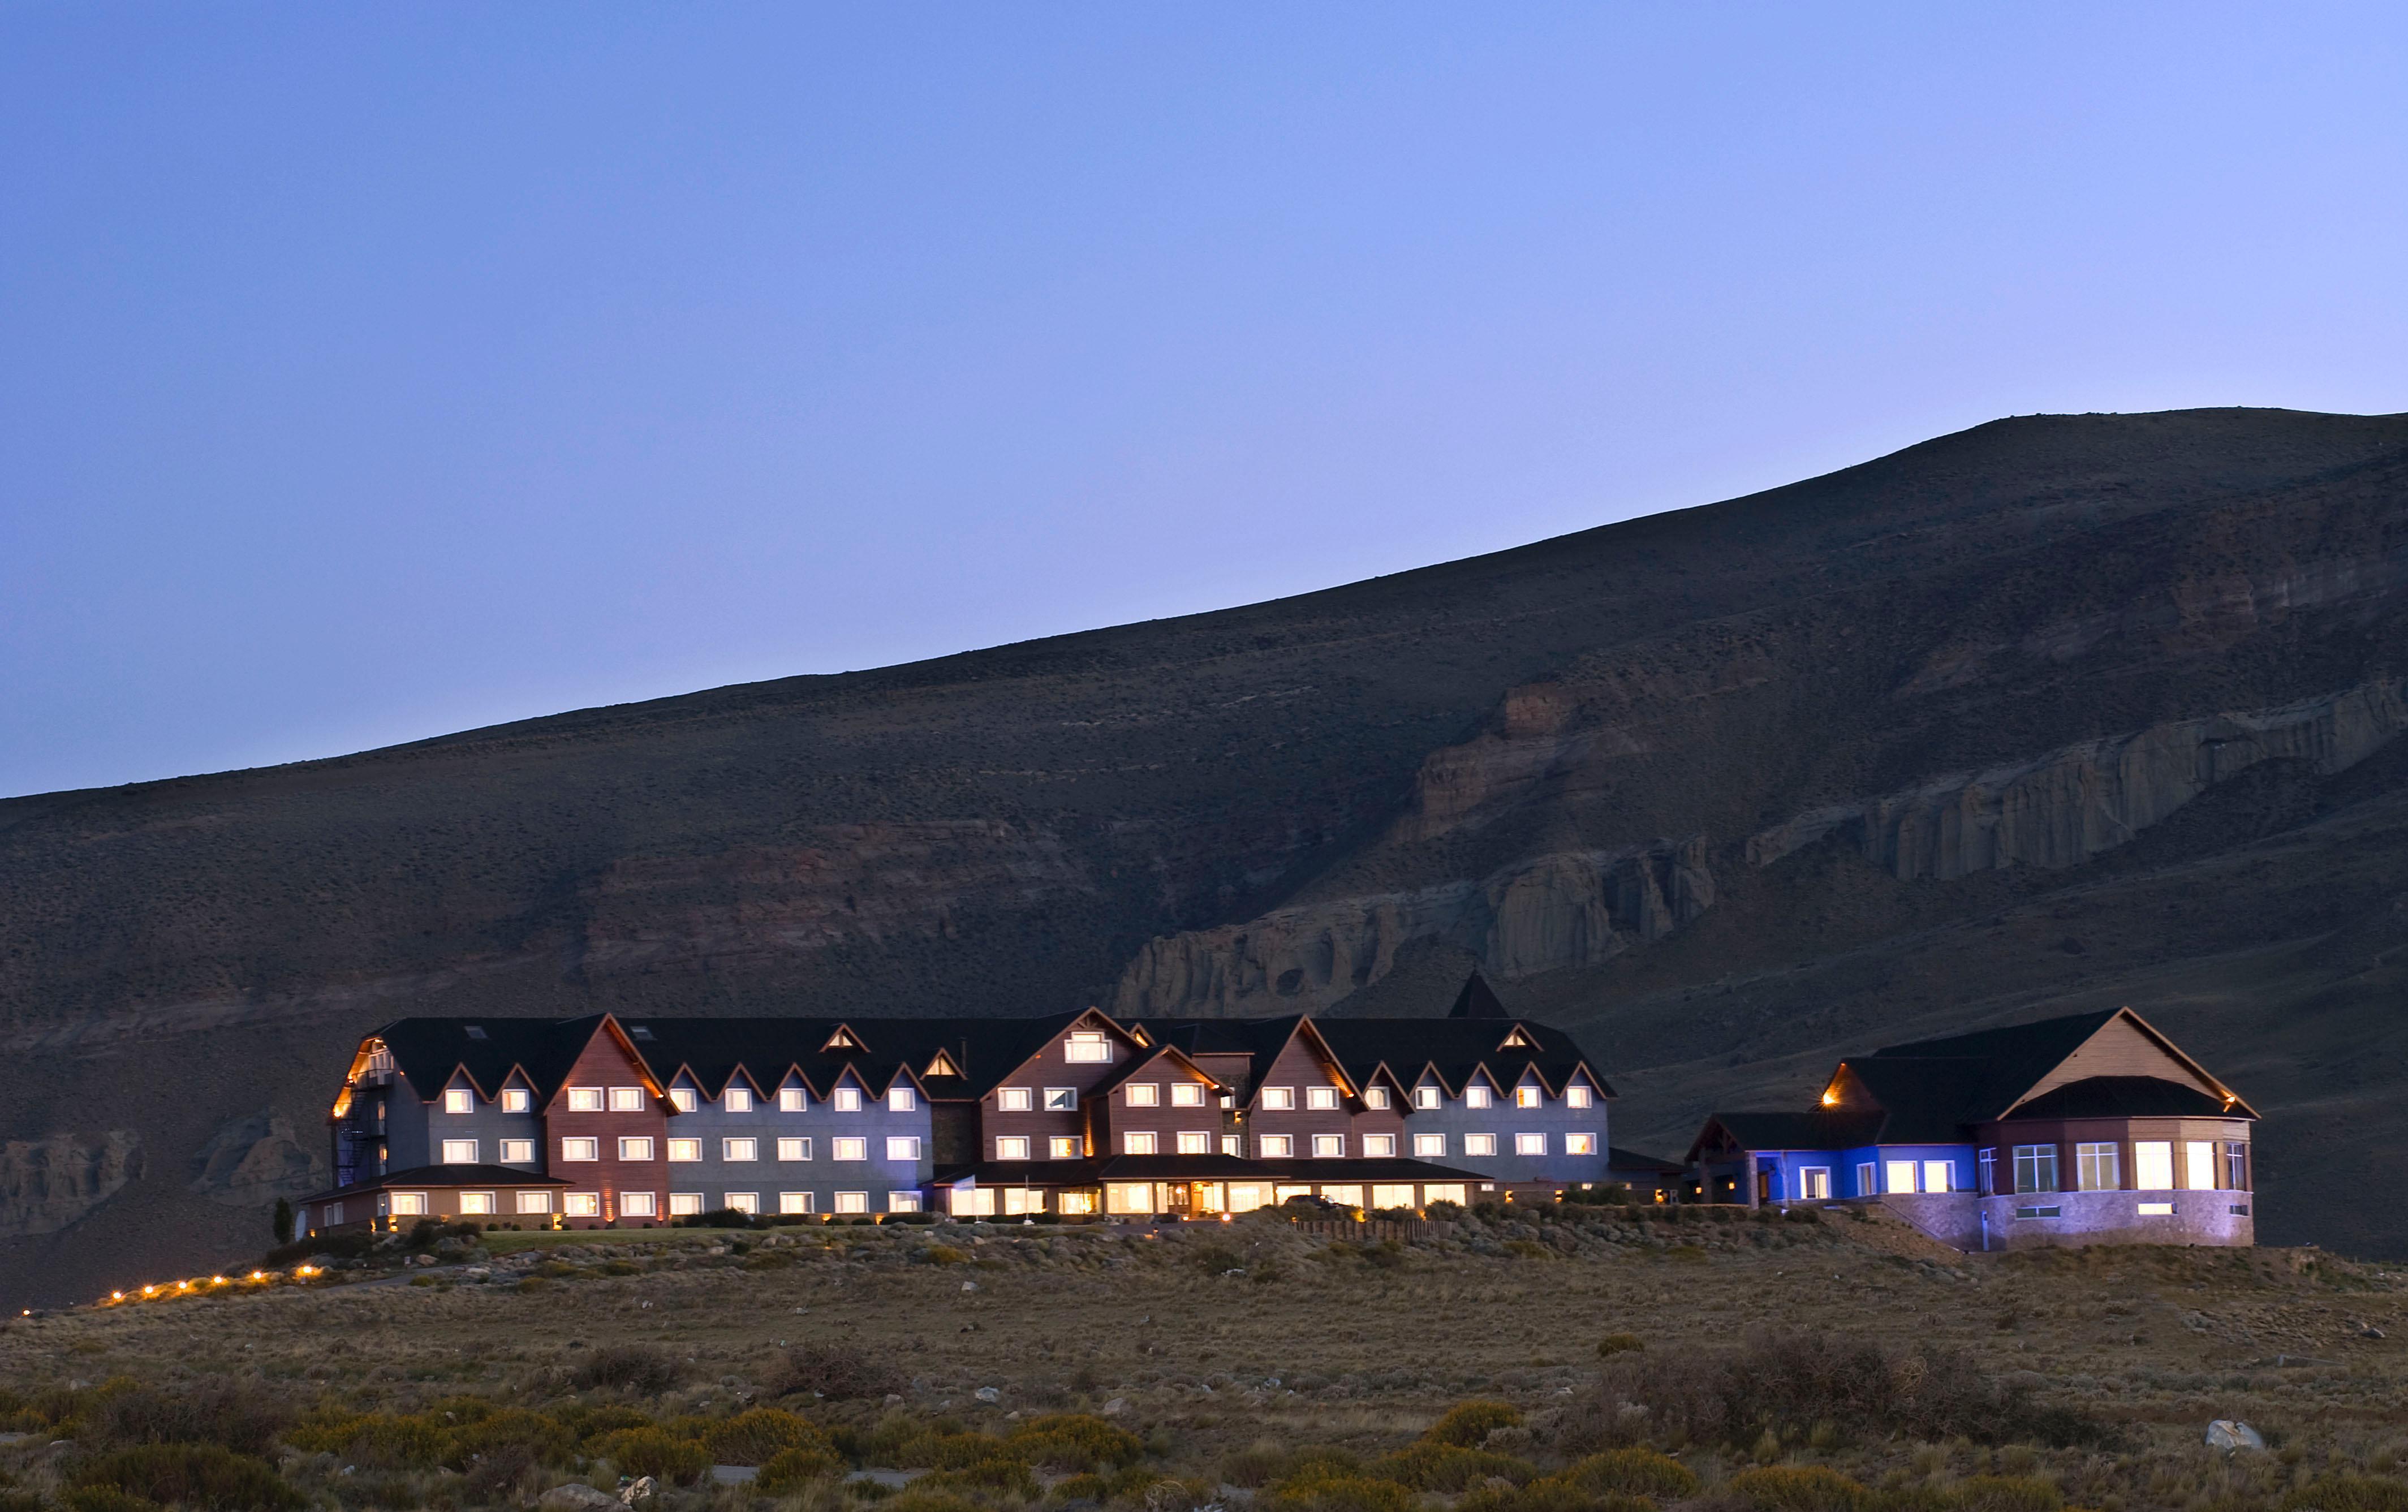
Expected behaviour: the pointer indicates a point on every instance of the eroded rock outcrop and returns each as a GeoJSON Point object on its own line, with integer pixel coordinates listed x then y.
{"type": "Point", "coordinates": [2062, 809]}
{"type": "Point", "coordinates": [252, 1161]}
{"type": "Point", "coordinates": [1570, 909]}
{"type": "Point", "coordinates": [47, 1184]}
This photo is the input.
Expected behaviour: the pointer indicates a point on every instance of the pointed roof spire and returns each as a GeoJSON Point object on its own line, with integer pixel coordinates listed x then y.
{"type": "Point", "coordinates": [1476, 1000]}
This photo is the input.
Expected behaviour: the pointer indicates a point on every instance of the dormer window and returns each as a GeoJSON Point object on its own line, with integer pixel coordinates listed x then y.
{"type": "Point", "coordinates": [1087, 1047]}
{"type": "Point", "coordinates": [1516, 1039]}
{"type": "Point", "coordinates": [1576, 1095]}
{"type": "Point", "coordinates": [793, 1100]}
{"type": "Point", "coordinates": [476, 1032]}
{"type": "Point", "coordinates": [683, 1100]}
{"type": "Point", "coordinates": [458, 1099]}
{"type": "Point", "coordinates": [941, 1066]}
{"type": "Point", "coordinates": [1527, 1096]}
{"type": "Point", "coordinates": [639, 1032]}
{"type": "Point", "coordinates": [1375, 1098]}
{"type": "Point", "coordinates": [841, 1040]}
{"type": "Point", "coordinates": [517, 1100]}
{"type": "Point", "coordinates": [848, 1099]}
{"type": "Point", "coordinates": [1427, 1096]}
{"type": "Point", "coordinates": [737, 1100]}
{"type": "Point", "coordinates": [1475, 1095]}
{"type": "Point", "coordinates": [902, 1099]}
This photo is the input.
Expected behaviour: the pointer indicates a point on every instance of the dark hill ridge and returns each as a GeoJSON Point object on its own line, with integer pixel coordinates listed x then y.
{"type": "Point", "coordinates": [2053, 711]}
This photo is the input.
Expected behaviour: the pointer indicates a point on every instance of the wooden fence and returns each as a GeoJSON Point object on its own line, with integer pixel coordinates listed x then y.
{"type": "Point", "coordinates": [1404, 1231]}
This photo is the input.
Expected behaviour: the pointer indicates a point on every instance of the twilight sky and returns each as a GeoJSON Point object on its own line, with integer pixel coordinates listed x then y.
{"type": "Point", "coordinates": [372, 372]}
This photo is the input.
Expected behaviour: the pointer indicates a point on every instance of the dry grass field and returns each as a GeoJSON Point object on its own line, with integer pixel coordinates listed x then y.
{"type": "Point", "coordinates": [1246, 1362]}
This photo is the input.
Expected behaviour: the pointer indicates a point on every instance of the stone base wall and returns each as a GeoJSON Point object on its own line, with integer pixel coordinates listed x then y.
{"type": "Point", "coordinates": [1972, 1223]}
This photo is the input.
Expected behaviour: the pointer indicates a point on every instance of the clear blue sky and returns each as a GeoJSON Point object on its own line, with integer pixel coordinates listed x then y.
{"type": "Point", "coordinates": [368, 372]}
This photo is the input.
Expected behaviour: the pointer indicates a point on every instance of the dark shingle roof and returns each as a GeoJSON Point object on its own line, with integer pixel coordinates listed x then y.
{"type": "Point", "coordinates": [2124, 1097]}
{"type": "Point", "coordinates": [427, 1051]}
{"type": "Point", "coordinates": [1821, 1129]}
{"type": "Point", "coordinates": [445, 1176]}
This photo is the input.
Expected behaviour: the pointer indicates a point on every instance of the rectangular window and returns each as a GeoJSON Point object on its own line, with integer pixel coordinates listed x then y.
{"type": "Point", "coordinates": [1429, 1147]}
{"type": "Point", "coordinates": [2156, 1210]}
{"type": "Point", "coordinates": [685, 1149]}
{"type": "Point", "coordinates": [848, 1099]}
{"type": "Point", "coordinates": [1376, 1099]}
{"type": "Point", "coordinates": [2153, 1165]}
{"type": "Point", "coordinates": [1939, 1175]}
{"type": "Point", "coordinates": [1380, 1147]}
{"type": "Point", "coordinates": [581, 1149]}
{"type": "Point", "coordinates": [850, 1149]}
{"type": "Point", "coordinates": [626, 1100]}
{"type": "Point", "coordinates": [1279, 1098]}
{"type": "Point", "coordinates": [903, 1148]}
{"type": "Point", "coordinates": [1321, 1099]}
{"type": "Point", "coordinates": [639, 1148]}
{"type": "Point", "coordinates": [459, 1152]}
{"type": "Point", "coordinates": [1063, 1147]}
{"type": "Point", "coordinates": [1233, 1145]}
{"type": "Point", "coordinates": [1329, 1146]}
{"type": "Point", "coordinates": [1529, 1096]}
{"type": "Point", "coordinates": [741, 1201]}
{"type": "Point", "coordinates": [408, 1204]}
{"type": "Point", "coordinates": [793, 1201]}
{"type": "Point", "coordinates": [2096, 1167]}
{"type": "Point", "coordinates": [1344, 1196]}
{"type": "Point", "coordinates": [1142, 1094]}
{"type": "Point", "coordinates": [535, 1202]}
{"type": "Point", "coordinates": [1475, 1096]}
{"type": "Point", "coordinates": [1061, 1100]}
{"type": "Point", "coordinates": [2236, 1167]}
{"type": "Point", "coordinates": [1897, 1175]}
{"type": "Point", "coordinates": [793, 1100]}
{"type": "Point", "coordinates": [1276, 1146]}
{"type": "Point", "coordinates": [1865, 1180]}
{"type": "Point", "coordinates": [517, 1100]}
{"type": "Point", "coordinates": [902, 1099]}
{"type": "Point", "coordinates": [1014, 1100]}
{"type": "Point", "coordinates": [1479, 1143]}
{"type": "Point", "coordinates": [2035, 1168]}
{"type": "Point", "coordinates": [1392, 1197]}
{"type": "Point", "coordinates": [1018, 1202]}
{"type": "Point", "coordinates": [1986, 1181]}
{"type": "Point", "coordinates": [853, 1202]}
{"type": "Point", "coordinates": [682, 1099]}
{"type": "Point", "coordinates": [1087, 1047]}
{"type": "Point", "coordinates": [1814, 1184]}
{"type": "Point", "coordinates": [585, 1099]}
{"type": "Point", "coordinates": [459, 1099]}
{"type": "Point", "coordinates": [1138, 1142]}
{"type": "Point", "coordinates": [684, 1204]}
{"type": "Point", "coordinates": [583, 1205]}
{"type": "Point", "coordinates": [1529, 1143]}
{"type": "Point", "coordinates": [1427, 1097]}
{"type": "Point", "coordinates": [1194, 1141]}
{"type": "Point", "coordinates": [1580, 1144]}
{"type": "Point", "coordinates": [737, 1100]}
{"type": "Point", "coordinates": [1576, 1096]}
{"type": "Point", "coordinates": [2199, 1165]}
{"type": "Point", "coordinates": [794, 1148]}
{"type": "Point", "coordinates": [639, 1205]}
{"type": "Point", "coordinates": [1128, 1197]}
{"type": "Point", "coordinates": [739, 1149]}
{"type": "Point", "coordinates": [1187, 1094]}
{"type": "Point", "coordinates": [1011, 1147]}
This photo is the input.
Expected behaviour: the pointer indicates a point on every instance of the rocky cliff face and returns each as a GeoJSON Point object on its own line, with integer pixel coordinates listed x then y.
{"type": "Point", "coordinates": [2054, 710]}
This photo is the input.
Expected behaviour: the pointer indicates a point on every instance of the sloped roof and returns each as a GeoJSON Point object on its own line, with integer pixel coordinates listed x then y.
{"type": "Point", "coordinates": [713, 1050]}
{"type": "Point", "coordinates": [1824, 1129]}
{"type": "Point", "coordinates": [1260, 1040]}
{"type": "Point", "coordinates": [1454, 1049]}
{"type": "Point", "coordinates": [444, 1175]}
{"type": "Point", "coordinates": [2124, 1096]}
{"type": "Point", "coordinates": [1477, 1000]}
{"type": "Point", "coordinates": [427, 1051]}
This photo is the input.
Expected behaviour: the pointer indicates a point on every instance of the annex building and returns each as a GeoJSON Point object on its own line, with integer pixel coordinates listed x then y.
{"type": "Point", "coordinates": [634, 1121]}
{"type": "Point", "coordinates": [2087, 1128]}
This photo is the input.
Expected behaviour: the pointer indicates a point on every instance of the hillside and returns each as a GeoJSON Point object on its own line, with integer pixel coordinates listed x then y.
{"type": "Point", "coordinates": [2053, 712]}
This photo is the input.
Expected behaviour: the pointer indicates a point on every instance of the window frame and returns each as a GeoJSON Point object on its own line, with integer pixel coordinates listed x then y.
{"type": "Point", "coordinates": [1193, 1142]}
{"type": "Point", "coordinates": [903, 1146]}
{"type": "Point", "coordinates": [684, 1150]}
{"type": "Point", "coordinates": [1482, 1145]}
{"type": "Point", "coordinates": [1276, 1098]}
{"type": "Point", "coordinates": [1529, 1144]}
{"type": "Point", "coordinates": [635, 1147]}
{"type": "Point", "coordinates": [739, 1149]}
{"type": "Point", "coordinates": [1578, 1095]}
{"type": "Point", "coordinates": [1328, 1146]}
{"type": "Point", "coordinates": [585, 1099]}
{"type": "Point", "coordinates": [1429, 1097]}
{"type": "Point", "coordinates": [1065, 1147]}
{"type": "Point", "coordinates": [683, 1099]}
{"type": "Point", "coordinates": [1422, 1146]}
{"type": "Point", "coordinates": [625, 1100]}
{"type": "Point", "coordinates": [1077, 1045]}
{"type": "Point", "coordinates": [846, 1099]}
{"type": "Point", "coordinates": [793, 1100]}
{"type": "Point", "coordinates": [1061, 1100]}
{"type": "Point", "coordinates": [859, 1145]}
{"type": "Point", "coordinates": [1379, 1146]}
{"type": "Point", "coordinates": [1322, 1099]}
{"type": "Point", "coordinates": [1141, 1094]}
{"type": "Point", "coordinates": [1015, 1100]}
{"type": "Point", "coordinates": [640, 1204]}
{"type": "Point", "coordinates": [793, 1148]}
{"type": "Point", "coordinates": [517, 1100]}
{"type": "Point", "coordinates": [902, 1100]}
{"type": "Point", "coordinates": [472, 1146]}
{"type": "Point", "coordinates": [1139, 1142]}
{"type": "Point", "coordinates": [1478, 1096]}
{"type": "Point", "coordinates": [1276, 1146]}
{"type": "Point", "coordinates": [1187, 1094]}
{"type": "Point", "coordinates": [1529, 1096]}
{"type": "Point", "coordinates": [1013, 1146]}
{"type": "Point", "coordinates": [2035, 1163]}
{"type": "Point", "coordinates": [516, 1151]}
{"type": "Point", "coordinates": [735, 1098]}
{"type": "Point", "coordinates": [570, 1146]}
{"type": "Point", "coordinates": [458, 1100]}
{"type": "Point", "coordinates": [1814, 1183]}
{"type": "Point", "coordinates": [2098, 1166]}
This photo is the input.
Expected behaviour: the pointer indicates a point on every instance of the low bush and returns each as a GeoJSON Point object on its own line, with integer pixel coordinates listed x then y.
{"type": "Point", "coordinates": [1632, 1472]}
{"type": "Point", "coordinates": [504, 1476]}
{"type": "Point", "coordinates": [719, 1218]}
{"type": "Point", "coordinates": [655, 1452]}
{"type": "Point", "coordinates": [1785, 1487]}
{"type": "Point", "coordinates": [205, 1475]}
{"type": "Point", "coordinates": [1552, 1494]}
{"type": "Point", "coordinates": [1335, 1493]}
{"type": "Point", "coordinates": [839, 1375]}
{"type": "Point", "coordinates": [1467, 1424]}
{"type": "Point", "coordinates": [80, 1499]}
{"type": "Point", "coordinates": [239, 1418]}
{"type": "Point", "coordinates": [629, 1368]}
{"type": "Point", "coordinates": [1619, 1343]}
{"type": "Point", "coordinates": [375, 1441]}
{"type": "Point", "coordinates": [791, 1470]}
{"type": "Point", "coordinates": [2351, 1493]}
{"type": "Point", "coordinates": [1448, 1467]}
{"type": "Point", "coordinates": [1004, 1476]}
{"type": "Point", "coordinates": [540, 1436]}
{"type": "Point", "coordinates": [2008, 1493]}
{"type": "Point", "coordinates": [760, 1435]}
{"type": "Point", "coordinates": [1075, 1441]}
{"type": "Point", "coordinates": [609, 1418]}
{"type": "Point", "coordinates": [332, 1247]}
{"type": "Point", "coordinates": [1078, 1489]}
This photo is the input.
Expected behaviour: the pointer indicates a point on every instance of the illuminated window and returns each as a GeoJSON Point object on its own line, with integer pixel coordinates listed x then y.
{"type": "Point", "coordinates": [853, 1202]}
{"type": "Point", "coordinates": [739, 1149]}
{"type": "Point", "coordinates": [1321, 1099]}
{"type": "Point", "coordinates": [1479, 1143]}
{"type": "Point", "coordinates": [1061, 1100]}
{"type": "Point", "coordinates": [2153, 1165]}
{"type": "Point", "coordinates": [1814, 1184]}
{"type": "Point", "coordinates": [1529, 1143]}
{"type": "Point", "coordinates": [737, 1100]}
{"type": "Point", "coordinates": [517, 1100]}
{"type": "Point", "coordinates": [459, 1152]}
{"type": "Point", "coordinates": [639, 1205]}
{"type": "Point", "coordinates": [408, 1204]}
{"type": "Point", "coordinates": [2035, 1168]}
{"type": "Point", "coordinates": [1379, 1146]}
{"type": "Point", "coordinates": [1194, 1141]}
{"type": "Point", "coordinates": [849, 1149]}
{"type": "Point", "coordinates": [585, 1099]}
{"type": "Point", "coordinates": [902, 1099]}
{"type": "Point", "coordinates": [793, 1100]}
{"type": "Point", "coordinates": [535, 1202]}
{"type": "Point", "coordinates": [1476, 1095]}
{"type": "Point", "coordinates": [793, 1201]}
{"type": "Point", "coordinates": [1328, 1146]}
{"type": "Point", "coordinates": [902, 1201]}
{"type": "Point", "coordinates": [1427, 1097]}
{"type": "Point", "coordinates": [740, 1202]}
{"type": "Point", "coordinates": [2096, 1167]}
{"type": "Point", "coordinates": [518, 1152]}
{"type": "Point", "coordinates": [848, 1099]}
{"type": "Point", "coordinates": [1080, 1202]}
{"type": "Point", "coordinates": [1529, 1096]}
{"type": "Point", "coordinates": [626, 1100]}
{"type": "Point", "coordinates": [1938, 1175]}
{"type": "Point", "coordinates": [1279, 1098]}
{"type": "Point", "coordinates": [1138, 1142]}
{"type": "Point", "coordinates": [2199, 1164]}
{"type": "Point", "coordinates": [1428, 1146]}
{"type": "Point", "coordinates": [1014, 1100]}
{"type": "Point", "coordinates": [1392, 1197]}
{"type": "Point", "coordinates": [1064, 1147]}
{"type": "Point", "coordinates": [1580, 1144]}
{"type": "Point", "coordinates": [639, 1148]}
{"type": "Point", "coordinates": [1142, 1094]}
{"type": "Point", "coordinates": [685, 1149]}
{"type": "Point", "coordinates": [583, 1205]}
{"type": "Point", "coordinates": [1576, 1096]}
{"type": "Point", "coordinates": [581, 1149]}
{"type": "Point", "coordinates": [793, 1150]}
{"type": "Point", "coordinates": [459, 1099]}
{"type": "Point", "coordinates": [684, 1204]}
{"type": "Point", "coordinates": [1187, 1094]}
{"type": "Point", "coordinates": [1087, 1047]}
{"type": "Point", "coordinates": [1897, 1175]}
{"type": "Point", "coordinates": [1011, 1147]}
{"type": "Point", "coordinates": [682, 1099]}
{"type": "Point", "coordinates": [1276, 1146]}
{"type": "Point", "coordinates": [1375, 1098]}
{"type": "Point", "coordinates": [1233, 1145]}
{"type": "Point", "coordinates": [903, 1148]}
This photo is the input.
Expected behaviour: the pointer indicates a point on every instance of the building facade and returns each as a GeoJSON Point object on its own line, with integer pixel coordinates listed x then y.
{"type": "Point", "coordinates": [599, 1121]}
{"type": "Point", "coordinates": [2094, 1128]}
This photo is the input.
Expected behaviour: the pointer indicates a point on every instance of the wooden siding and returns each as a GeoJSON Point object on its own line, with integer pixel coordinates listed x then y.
{"type": "Point", "coordinates": [1301, 1066]}
{"type": "Point", "coordinates": [1113, 1117]}
{"type": "Point", "coordinates": [1052, 1066]}
{"type": "Point", "coordinates": [605, 1064]}
{"type": "Point", "coordinates": [2120, 1049]}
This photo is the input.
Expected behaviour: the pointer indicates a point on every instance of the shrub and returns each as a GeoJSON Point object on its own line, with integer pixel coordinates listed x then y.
{"type": "Point", "coordinates": [791, 1470]}
{"type": "Point", "coordinates": [1012, 1478]}
{"type": "Point", "coordinates": [655, 1452]}
{"type": "Point", "coordinates": [836, 1373]}
{"type": "Point", "coordinates": [1467, 1424]}
{"type": "Point", "coordinates": [2352, 1493]}
{"type": "Point", "coordinates": [593, 1422]}
{"type": "Point", "coordinates": [1080, 1488]}
{"type": "Point", "coordinates": [942, 1254]}
{"type": "Point", "coordinates": [200, 1475]}
{"type": "Point", "coordinates": [1448, 1467]}
{"type": "Point", "coordinates": [514, 1430]}
{"type": "Point", "coordinates": [1337, 1493]}
{"type": "Point", "coordinates": [759, 1436]}
{"type": "Point", "coordinates": [2008, 1493]}
{"type": "Point", "coordinates": [1552, 1494]}
{"type": "Point", "coordinates": [963, 1451]}
{"type": "Point", "coordinates": [235, 1417]}
{"type": "Point", "coordinates": [1075, 1441]}
{"type": "Point", "coordinates": [1808, 1487]}
{"type": "Point", "coordinates": [81, 1499]}
{"type": "Point", "coordinates": [1633, 1472]}
{"type": "Point", "coordinates": [1619, 1343]}
{"type": "Point", "coordinates": [630, 1367]}
{"type": "Point", "coordinates": [914, 1498]}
